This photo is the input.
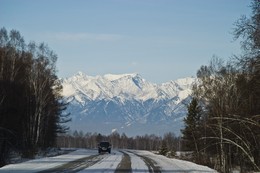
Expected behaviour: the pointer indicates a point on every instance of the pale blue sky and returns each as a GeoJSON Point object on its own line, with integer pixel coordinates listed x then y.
{"type": "Point", "coordinates": [162, 40]}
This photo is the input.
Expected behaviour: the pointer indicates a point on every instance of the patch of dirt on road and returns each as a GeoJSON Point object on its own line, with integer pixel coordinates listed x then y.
{"type": "Point", "coordinates": [125, 164]}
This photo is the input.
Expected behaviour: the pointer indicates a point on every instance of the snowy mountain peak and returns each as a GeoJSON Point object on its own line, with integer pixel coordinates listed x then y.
{"type": "Point", "coordinates": [126, 99]}
{"type": "Point", "coordinates": [132, 86]}
{"type": "Point", "coordinates": [80, 74]}
{"type": "Point", "coordinates": [112, 77]}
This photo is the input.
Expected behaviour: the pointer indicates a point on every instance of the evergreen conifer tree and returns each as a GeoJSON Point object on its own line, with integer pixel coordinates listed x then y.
{"type": "Point", "coordinates": [191, 132]}
{"type": "Point", "coordinates": [163, 150]}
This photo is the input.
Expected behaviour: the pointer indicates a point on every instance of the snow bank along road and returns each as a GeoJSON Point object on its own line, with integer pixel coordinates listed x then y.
{"type": "Point", "coordinates": [89, 161]}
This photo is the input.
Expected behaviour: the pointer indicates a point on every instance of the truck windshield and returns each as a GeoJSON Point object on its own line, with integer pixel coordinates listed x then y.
{"type": "Point", "coordinates": [104, 144]}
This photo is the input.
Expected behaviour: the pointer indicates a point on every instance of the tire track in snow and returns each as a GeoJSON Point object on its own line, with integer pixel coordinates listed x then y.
{"type": "Point", "coordinates": [76, 165]}
{"type": "Point", "coordinates": [151, 164]}
{"type": "Point", "coordinates": [108, 164]}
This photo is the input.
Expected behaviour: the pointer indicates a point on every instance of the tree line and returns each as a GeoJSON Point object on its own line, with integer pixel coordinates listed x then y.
{"type": "Point", "coordinates": [31, 104]}
{"type": "Point", "coordinates": [167, 144]}
{"type": "Point", "coordinates": [222, 127]}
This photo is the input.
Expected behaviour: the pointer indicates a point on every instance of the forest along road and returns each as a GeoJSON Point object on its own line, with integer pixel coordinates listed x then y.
{"type": "Point", "coordinates": [119, 161]}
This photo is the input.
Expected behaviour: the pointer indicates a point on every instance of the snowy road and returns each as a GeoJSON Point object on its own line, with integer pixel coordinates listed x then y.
{"type": "Point", "coordinates": [88, 161]}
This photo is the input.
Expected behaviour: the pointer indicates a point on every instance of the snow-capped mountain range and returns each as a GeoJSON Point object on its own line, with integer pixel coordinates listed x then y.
{"type": "Point", "coordinates": [126, 103]}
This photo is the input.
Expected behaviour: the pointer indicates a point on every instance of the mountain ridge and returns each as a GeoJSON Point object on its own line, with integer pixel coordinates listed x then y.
{"type": "Point", "coordinates": [126, 102]}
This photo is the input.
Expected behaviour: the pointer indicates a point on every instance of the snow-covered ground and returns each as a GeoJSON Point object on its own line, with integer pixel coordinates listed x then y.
{"type": "Point", "coordinates": [37, 165]}
{"type": "Point", "coordinates": [175, 165]}
{"type": "Point", "coordinates": [141, 161]}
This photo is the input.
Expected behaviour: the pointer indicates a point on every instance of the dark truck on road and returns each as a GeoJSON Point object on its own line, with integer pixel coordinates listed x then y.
{"type": "Point", "coordinates": [104, 147]}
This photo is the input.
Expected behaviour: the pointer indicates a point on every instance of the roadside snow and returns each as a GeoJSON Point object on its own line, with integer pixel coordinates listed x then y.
{"type": "Point", "coordinates": [175, 165]}
{"type": "Point", "coordinates": [37, 165]}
